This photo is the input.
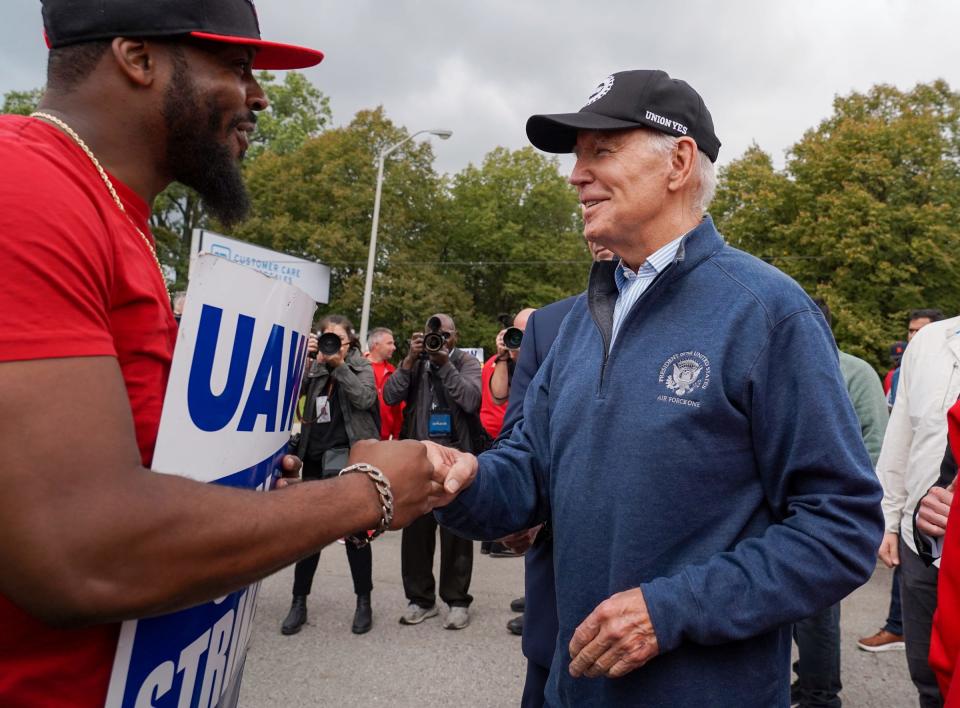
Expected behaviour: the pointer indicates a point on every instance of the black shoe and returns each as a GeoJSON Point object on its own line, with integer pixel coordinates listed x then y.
{"type": "Point", "coordinates": [515, 626]}
{"type": "Point", "coordinates": [518, 605]}
{"type": "Point", "coordinates": [485, 546]}
{"type": "Point", "coordinates": [296, 617]}
{"type": "Point", "coordinates": [363, 617]}
{"type": "Point", "coordinates": [498, 550]}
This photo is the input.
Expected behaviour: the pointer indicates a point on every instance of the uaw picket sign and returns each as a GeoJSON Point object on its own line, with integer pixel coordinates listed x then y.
{"type": "Point", "coordinates": [226, 419]}
{"type": "Point", "coordinates": [311, 277]}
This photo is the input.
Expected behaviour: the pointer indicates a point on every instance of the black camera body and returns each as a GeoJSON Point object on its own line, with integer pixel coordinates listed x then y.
{"type": "Point", "coordinates": [329, 344]}
{"type": "Point", "coordinates": [435, 337]}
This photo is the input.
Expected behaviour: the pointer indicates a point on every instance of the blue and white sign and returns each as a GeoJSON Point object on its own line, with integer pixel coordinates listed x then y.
{"type": "Point", "coordinates": [226, 419]}
{"type": "Point", "coordinates": [313, 278]}
{"type": "Point", "coordinates": [475, 352]}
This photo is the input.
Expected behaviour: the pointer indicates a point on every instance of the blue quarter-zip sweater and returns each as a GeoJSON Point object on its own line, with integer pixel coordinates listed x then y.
{"type": "Point", "coordinates": [711, 458]}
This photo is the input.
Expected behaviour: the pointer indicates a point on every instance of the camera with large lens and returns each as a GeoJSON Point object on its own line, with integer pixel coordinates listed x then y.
{"type": "Point", "coordinates": [512, 337]}
{"type": "Point", "coordinates": [329, 344]}
{"type": "Point", "coordinates": [435, 337]}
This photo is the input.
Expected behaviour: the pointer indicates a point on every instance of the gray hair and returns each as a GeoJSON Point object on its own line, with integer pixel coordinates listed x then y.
{"type": "Point", "coordinates": [376, 335]}
{"type": "Point", "coordinates": [707, 182]}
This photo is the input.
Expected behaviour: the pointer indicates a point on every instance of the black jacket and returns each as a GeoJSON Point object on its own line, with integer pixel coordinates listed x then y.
{"type": "Point", "coordinates": [358, 398]}
{"type": "Point", "coordinates": [460, 378]}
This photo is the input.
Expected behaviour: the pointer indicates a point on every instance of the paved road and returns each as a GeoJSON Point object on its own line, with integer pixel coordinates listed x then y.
{"type": "Point", "coordinates": [426, 665]}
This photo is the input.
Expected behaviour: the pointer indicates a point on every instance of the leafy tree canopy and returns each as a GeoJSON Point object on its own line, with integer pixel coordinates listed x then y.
{"type": "Point", "coordinates": [21, 103]}
{"type": "Point", "coordinates": [480, 244]}
{"type": "Point", "coordinates": [864, 213]}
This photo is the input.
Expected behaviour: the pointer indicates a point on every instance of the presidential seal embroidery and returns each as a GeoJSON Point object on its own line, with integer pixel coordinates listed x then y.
{"type": "Point", "coordinates": [682, 374]}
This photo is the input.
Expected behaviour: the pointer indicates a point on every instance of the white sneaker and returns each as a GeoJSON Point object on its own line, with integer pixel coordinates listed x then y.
{"type": "Point", "coordinates": [416, 614]}
{"type": "Point", "coordinates": [457, 618]}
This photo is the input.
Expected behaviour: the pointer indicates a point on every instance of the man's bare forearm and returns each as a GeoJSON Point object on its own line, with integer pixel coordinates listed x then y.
{"type": "Point", "coordinates": [500, 382]}
{"type": "Point", "coordinates": [163, 543]}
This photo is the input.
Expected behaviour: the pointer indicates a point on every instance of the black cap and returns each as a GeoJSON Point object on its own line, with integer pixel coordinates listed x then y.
{"type": "Point", "coordinates": [896, 350]}
{"type": "Point", "coordinates": [643, 98]}
{"type": "Point", "coordinates": [67, 22]}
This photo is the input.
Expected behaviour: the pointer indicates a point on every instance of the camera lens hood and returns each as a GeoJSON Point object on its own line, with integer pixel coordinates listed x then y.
{"type": "Point", "coordinates": [329, 344]}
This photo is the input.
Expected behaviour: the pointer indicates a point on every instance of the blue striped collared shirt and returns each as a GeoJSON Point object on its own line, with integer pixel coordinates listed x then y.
{"type": "Point", "coordinates": [632, 285]}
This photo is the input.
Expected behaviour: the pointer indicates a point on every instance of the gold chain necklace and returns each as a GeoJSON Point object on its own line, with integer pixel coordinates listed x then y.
{"type": "Point", "coordinates": [106, 180]}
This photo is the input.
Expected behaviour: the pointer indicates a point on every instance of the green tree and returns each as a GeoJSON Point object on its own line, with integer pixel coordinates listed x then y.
{"type": "Point", "coordinates": [316, 202]}
{"type": "Point", "coordinates": [21, 103]}
{"type": "Point", "coordinates": [753, 203]}
{"type": "Point", "coordinates": [494, 239]}
{"type": "Point", "coordinates": [513, 234]}
{"type": "Point", "coordinates": [864, 213]}
{"type": "Point", "coordinates": [298, 111]}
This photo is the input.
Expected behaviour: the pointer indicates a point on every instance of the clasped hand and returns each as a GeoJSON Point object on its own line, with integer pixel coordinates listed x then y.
{"type": "Point", "coordinates": [453, 471]}
{"type": "Point", "coordinates": [423, 475]}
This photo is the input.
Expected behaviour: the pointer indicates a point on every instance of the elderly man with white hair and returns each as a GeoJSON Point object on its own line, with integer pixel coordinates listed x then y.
{"type": "Point", "coordinates": [689, 436]}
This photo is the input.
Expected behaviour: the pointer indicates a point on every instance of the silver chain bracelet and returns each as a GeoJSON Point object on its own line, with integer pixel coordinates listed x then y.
{"type": "Point", "coordinates": [382, 484]}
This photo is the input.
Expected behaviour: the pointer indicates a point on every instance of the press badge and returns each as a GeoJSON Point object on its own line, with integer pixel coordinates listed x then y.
{"type": "Point", "coordinates": [440, 424]}
{"type": "Point", "coordinates": [323, 409]}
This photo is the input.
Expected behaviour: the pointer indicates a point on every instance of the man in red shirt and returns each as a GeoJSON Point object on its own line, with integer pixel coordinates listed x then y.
{"type": "Point", "coordinates": [138, 94]}
{"type": "Point", "coordinates": [381, 346]}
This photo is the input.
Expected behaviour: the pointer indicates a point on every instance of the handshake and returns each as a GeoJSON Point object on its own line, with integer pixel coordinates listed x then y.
{"type": "Point", "coordinates": [423, 475]}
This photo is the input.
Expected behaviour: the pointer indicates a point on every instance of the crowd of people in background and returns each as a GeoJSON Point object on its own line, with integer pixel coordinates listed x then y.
{"type": "Point", "coordinates": [439, 393]}
{"type": "Point", "coordinates": [695, 474]}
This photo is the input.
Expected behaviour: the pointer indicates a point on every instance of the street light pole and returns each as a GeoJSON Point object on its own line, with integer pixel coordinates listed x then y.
{"type": "Point", "coordinates": [372, 254]}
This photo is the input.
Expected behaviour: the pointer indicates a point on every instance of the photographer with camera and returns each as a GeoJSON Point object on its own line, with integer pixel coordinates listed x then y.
{"type": "Point", "coordinates": [441, 387]}
{"type": "Point", "coordinates": [498, 383]}
{"type": "Point", "coordinates": [341, 408]}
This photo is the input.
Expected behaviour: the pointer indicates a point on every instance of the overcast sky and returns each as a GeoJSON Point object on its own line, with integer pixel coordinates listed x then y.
{"type": "Point", "coordinates": [767, 69]}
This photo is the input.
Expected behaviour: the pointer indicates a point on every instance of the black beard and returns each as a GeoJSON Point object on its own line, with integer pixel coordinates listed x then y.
{"type": "Point", "coordinates": [196, 155]}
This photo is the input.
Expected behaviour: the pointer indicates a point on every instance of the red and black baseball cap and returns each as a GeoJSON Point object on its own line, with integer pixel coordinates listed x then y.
{"type": "Point", "coordinates": [896, 351]}
{"type": "Point", "coordinates": [643, 98]}
{"type": "Point", "coordinates": [67, 22]}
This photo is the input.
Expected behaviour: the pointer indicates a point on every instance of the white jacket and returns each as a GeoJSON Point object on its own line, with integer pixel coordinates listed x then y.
{"type": "Point", "coordinates": [916, 435]}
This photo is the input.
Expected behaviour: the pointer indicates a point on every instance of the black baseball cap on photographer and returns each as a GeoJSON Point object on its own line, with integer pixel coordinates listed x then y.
{"type": "Point", "coordinates": [643, 98]}
{"type": "Point", "coordinates": [67, 22]}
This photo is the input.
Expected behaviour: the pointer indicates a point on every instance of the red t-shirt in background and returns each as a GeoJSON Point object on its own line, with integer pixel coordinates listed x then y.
{"type": "Point", "coordinates": [945, 638]}
{"type": "Point", "coordinates": [491, 414]}
{"type": "Point", "coordinates": [391, 417]}
{"type": "Point", "coordinates": [78, 281]}
{"type": "Point", "coordinates": [888, 381]}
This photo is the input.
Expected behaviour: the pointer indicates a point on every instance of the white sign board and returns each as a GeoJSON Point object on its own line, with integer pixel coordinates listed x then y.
{"type": "Point", "coordinates": [312, 278]}
{"type": "Point", "coordinates": [226, 419]}
{"type": "Point", "coordinates": [475, 352]}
